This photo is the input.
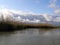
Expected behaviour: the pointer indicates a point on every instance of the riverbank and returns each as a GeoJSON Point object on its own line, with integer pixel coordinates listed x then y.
{"type": "Point", "coordinates": [12, 26]}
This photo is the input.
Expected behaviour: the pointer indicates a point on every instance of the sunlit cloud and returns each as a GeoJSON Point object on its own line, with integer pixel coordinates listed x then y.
{"type": "Point", "coordinates": [20, 12]}
{"type": "Point", "coordinates": [6, 10]}
{"type": "Point", "coordinates": [9, 14]}
{"type": "Point", "coordinates": [47, 17]}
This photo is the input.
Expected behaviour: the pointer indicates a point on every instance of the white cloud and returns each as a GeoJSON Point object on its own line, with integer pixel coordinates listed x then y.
{"type": "Point", "coordinates": [31, 21]}
{"type": "Point", "coordinates": [18, 18]}
{"type": "Point", "coordinates": [52, 3]}
{"type": "Point", "coordinates": [54, 6]}
{"type": "Point", "coordinates": [5, 13]}
{"type": "Point", "coordinates": [57, 19]}
{"type": "Point", "coordinates": [57, 11]}
{"type": "Point", "coordinates": [9, 14]}
{"type": "Point", "coordinates": [20, 12]}
{"type": "Point", "coordinates": [47, 17]}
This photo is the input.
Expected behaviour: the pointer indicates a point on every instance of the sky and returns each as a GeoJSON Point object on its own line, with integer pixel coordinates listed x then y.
{"type": "Point", "coordinates": [33, 6]}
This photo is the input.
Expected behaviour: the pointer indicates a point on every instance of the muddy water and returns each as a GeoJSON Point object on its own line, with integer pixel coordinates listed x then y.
{"type": "Point", "coordinates": [31, 37]}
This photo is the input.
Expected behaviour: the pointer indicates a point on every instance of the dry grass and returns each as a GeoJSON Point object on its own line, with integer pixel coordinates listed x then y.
{"type": "Point", "coordinates": [12, 25]}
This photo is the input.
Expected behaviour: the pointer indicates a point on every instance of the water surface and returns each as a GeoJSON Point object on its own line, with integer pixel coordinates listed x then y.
{"type": "Point", "coordinates": [31, 37]}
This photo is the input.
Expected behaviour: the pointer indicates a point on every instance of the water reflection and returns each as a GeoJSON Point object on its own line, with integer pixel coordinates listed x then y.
{"type": "Point", "coordinates": [31, 37]}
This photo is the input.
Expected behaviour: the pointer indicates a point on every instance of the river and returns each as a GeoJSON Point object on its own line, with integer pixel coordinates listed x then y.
{"type": "Point", "coordinates": [31, 37]}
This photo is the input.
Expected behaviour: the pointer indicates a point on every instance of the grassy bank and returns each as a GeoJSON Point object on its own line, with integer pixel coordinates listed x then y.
{"type": "Point", "coordinates": [11, 26]}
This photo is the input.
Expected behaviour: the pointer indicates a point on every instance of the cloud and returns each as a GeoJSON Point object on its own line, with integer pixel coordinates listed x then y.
{"type": "Point", "coordinates": [17, 19]}
{"type": "Point", "coordinates": [27, 20]}
{"type": "Point", "coordinates": [8, 14]}
{"type": "Point", "coordinates": [52, 3]}
{"type": "Point", "coordinates": [5, 13]}
{"type": "Point", "coordinates": [19, 12]}
{"type": "Point", "coordinates": [47, 17]}
{"type": "Point", "coordinates": [54, 6]}
{"type": "Point", "coordinates": [31, 21]}
{"type": "Point", "coordinates": [18, 15]}
{"type": "Point", "coordinates": [57, 19]}
{"type": "Point", "coordinates": [57, 11]}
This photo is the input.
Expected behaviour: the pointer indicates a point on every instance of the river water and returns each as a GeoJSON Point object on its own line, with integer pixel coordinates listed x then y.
{"type": "Point", "coordinates": [31, 37]}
